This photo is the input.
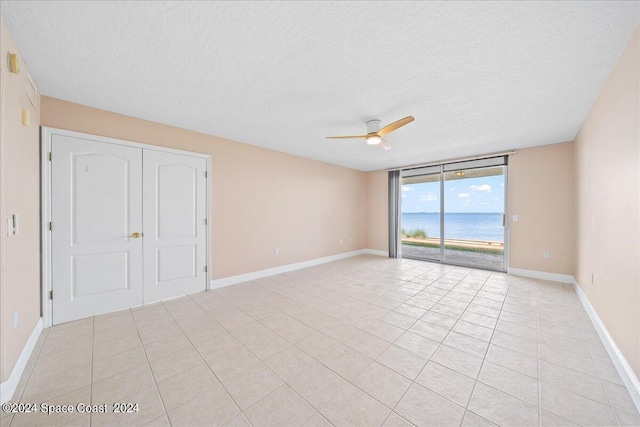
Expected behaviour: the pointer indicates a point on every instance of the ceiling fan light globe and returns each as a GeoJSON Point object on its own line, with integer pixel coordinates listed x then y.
{"type": "Point", "coordinates": [374, 140]}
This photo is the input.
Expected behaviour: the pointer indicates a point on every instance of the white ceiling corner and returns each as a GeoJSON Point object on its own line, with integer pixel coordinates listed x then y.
{"type": "Point", "coordinates": [479, 77]}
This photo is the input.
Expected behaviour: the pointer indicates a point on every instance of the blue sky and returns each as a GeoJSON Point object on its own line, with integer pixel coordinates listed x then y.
{"type": "Point", "coordinates": [484, 194]}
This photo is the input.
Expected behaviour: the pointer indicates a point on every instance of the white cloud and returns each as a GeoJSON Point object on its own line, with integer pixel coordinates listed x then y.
{"type": "Point", "coordinates": [452, 189]}
{"type": "Point", "coordinates": [483, 187]}
{"type": "Point", "coordinates": [428, 198]}
{"type": "Point", "coordinates": [464, 195]}
{"type": "Point", "coordinates": [406, 188]}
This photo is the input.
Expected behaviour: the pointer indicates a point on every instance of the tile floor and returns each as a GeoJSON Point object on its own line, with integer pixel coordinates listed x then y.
{"type": "Point", "coordinates": [366, 341]}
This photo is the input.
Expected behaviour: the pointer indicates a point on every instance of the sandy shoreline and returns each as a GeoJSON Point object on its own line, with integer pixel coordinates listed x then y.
{"type": "Point", "coordinates": [471, 244]}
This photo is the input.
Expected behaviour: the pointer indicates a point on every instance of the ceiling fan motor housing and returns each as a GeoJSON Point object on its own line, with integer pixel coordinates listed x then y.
{"type": "Point", "coordinates": [373, 126]}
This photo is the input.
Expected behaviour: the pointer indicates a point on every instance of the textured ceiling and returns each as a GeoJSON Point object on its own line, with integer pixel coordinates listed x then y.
{"type": "Point", "coordinates": [479, 77]}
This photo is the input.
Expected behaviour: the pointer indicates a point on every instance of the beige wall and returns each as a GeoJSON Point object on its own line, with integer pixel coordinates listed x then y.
{"type": "Point", "coordinates": [541, 190]}
{"type": "Point", "coordinates": [19, 194]}
{"type": "Point", "coordinates": [607, 199]}
{"type": "Point", "coordinates": [261, 199]}
{"type": "Point", "coordinates": [378, 210]}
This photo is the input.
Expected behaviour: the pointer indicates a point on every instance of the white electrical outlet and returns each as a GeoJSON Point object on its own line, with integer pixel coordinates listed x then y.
{"type": "Point", "coordinates": [545, 254]}
{"type": "Point", "coordinates": [277, 251]}
{"type": "Point", "coordinates": [340, 241]}
{"type": "Point", "coordinates": [514, 218]}
{"type": "Point", "coordinates": [15, 318]}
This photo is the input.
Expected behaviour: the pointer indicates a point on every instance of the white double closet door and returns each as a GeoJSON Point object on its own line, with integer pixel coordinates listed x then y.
{"type": "Point", "coordinates": [128, 226]}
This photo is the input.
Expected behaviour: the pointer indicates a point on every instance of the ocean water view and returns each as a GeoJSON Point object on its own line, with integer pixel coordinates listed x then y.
{"type": "Point", "coordinates": [467, 226]}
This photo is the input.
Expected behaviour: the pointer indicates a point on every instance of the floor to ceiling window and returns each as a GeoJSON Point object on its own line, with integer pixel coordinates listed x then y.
{"type": "Point", "coordinates": [455, 213]}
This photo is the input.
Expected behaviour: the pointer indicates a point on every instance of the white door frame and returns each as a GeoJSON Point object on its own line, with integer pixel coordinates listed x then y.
{"type": "Point", "coordinates": [46, 134]}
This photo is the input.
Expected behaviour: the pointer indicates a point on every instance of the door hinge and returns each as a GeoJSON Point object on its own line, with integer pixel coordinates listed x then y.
{"type": "Point", "coordinates": [205, 269]}
{"type": "Point", "coordinates": [205, 221]}
{"type": "Point", "coordinates": [50, 226]}
{"type": "Point", "coordinates": [206, 174]}
{"type": "Point", "coordinates": [50, 294]}
{"type": "Point", "coordinates": [50, 156]}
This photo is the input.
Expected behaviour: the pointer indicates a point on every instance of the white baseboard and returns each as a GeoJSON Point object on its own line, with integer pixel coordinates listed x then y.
{"type": "Point", "coordinates": [542, 275]}
{"type": "Point", "coordinates": [232, 280]}
{"type": "Point", "coordinates": [8, 387]}
{"type": "Point", "coordinates": [622, 366]}
{"type": "Point", "coordinates": [376, 252]}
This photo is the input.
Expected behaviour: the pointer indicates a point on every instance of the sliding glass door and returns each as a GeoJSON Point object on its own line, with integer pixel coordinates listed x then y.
{"type": "Point", "coordinates": [455, 213]}
{"type": "Point", "coordinates": [421, 217]}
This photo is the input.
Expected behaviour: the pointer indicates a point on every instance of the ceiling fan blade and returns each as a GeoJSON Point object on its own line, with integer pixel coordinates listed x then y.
{"type": "Point", "coordinates": [348, 137]}
{"type": "Point", "coordinates": [384, 144]}
{"type": "Point", "coordinates": [395, 125]}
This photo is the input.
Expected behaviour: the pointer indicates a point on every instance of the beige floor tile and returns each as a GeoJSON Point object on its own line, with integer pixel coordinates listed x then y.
{"type": "Point", "coordinates": [403, 361]}
{"type": "Point", "coordinates": [149, 408]}
{"type": "Point", "coordinates": [115, 345]}
{"type": "Point", "coordinates": [510, 382]}
{"type": "Point", "coordinates": [474, 420]}
{"type": "Point", "coordinates": [382, 383]}
{"type": "Point", "coordinates": [368, 344]}
{"type": "Point", "coordinates": [607, 371]}
{"type": "Point", "coordinates": [568, 360]}
{"type": "Point", "coordinates": [575, 381]}
{"type": "Point", "coordinates": [527, 346]}
{"type": "Point", "coordinates": [166, 346]}
{"type": "Point", "coordinates": [446, 382]}
{"type": "Point", "coordinates": [231, 363]}
{"type": "Point", "coordinates": [200, 412]}
{"type": "Point", "coordinates": [384, 330]}
{"type": "Point", "coordinates": [441, 411]}
{"type": "Point", "coordinates": [547, 419]}
{"type": "Point", "coordinates": [501, 408]}
{"type": "Point", "coordinates": [267, 345]}
{"type": "Point", "coordinates": [573, 407]}
{"type": "Point", "coordinates": [429, 330]}
{"type": "Point", "coordinates": [122, 319]}
{"type": "Point", "coordinates": [458, 360]}
{"type": "Point", "coordinates": [203, 333]}
{"type": "Point", "coordinates": [121, 362]}
{"type": "Point", "coordinates": [318, 345]}
{"type": "Point", "coordinates": [317, 420]}
{"type": "Point", "coordinates": [410, 310]}
{"type": "Point", "coordinates": [251, 385]}
{"type": "Point", "coordinates": [122, 385]}
{"type": "Point", "coordinates": [417, 343]}
{"type": "Point", "coordinates": [400, 320]}
{"type": "Point", "coordinates": [289, 363]}
{"type": "Point", "coordinates": [353, 407]}
{"type": "Point", "coordinates": [40, 418]}
{"type": "Point", "coordinates": [283, 407]}
{"type": "Point", "coordinates": [341, 331]}
{"type": "Point", "coordinates": [217, 345]}
{"type": "Point", "coordinates": [174, 363]}
{"type": "Point", "coordinates": [479, 319]}
{"type": "Point", "coordinates": [46, 385]}
{"type": "Point", "coordinates": [626, 419]}
{"type": "Point", "coordinates": [620, 398]}
{"type": "Point", "coordinates": [308, 323]}
{"type": "Point", "coordinates": [317, 384]}
{"type": "Point", "coordinates": [83, 421]}
{"type": "Point", "coordinates": [161, 421]}
{"type": "Point", "coordinates": [473, 330]}
{"type": "Point", "coordinates": [518, 362]}
{"type": "Point", "coordinates": [238, 421]}
{"type": "Point", "coordinates": [395, 420]}
{"type": "Point", "coordinates": [346, 362]}
{"type": "Point", "coordinates": [186, 385]}
{"type": "Point", "coordinates": [473, 346]}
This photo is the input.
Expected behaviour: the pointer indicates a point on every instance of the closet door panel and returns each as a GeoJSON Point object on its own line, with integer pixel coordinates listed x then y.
{"type": "Point", "coordinates": [174, 188]}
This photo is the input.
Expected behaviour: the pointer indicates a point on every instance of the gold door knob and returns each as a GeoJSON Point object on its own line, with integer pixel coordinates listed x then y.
{"type": "Point", "coordinates": [135, 235]}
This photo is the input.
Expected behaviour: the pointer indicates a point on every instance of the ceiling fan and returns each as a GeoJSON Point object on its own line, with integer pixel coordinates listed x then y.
{"type": "Point", "coordinates": [375, 133]}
